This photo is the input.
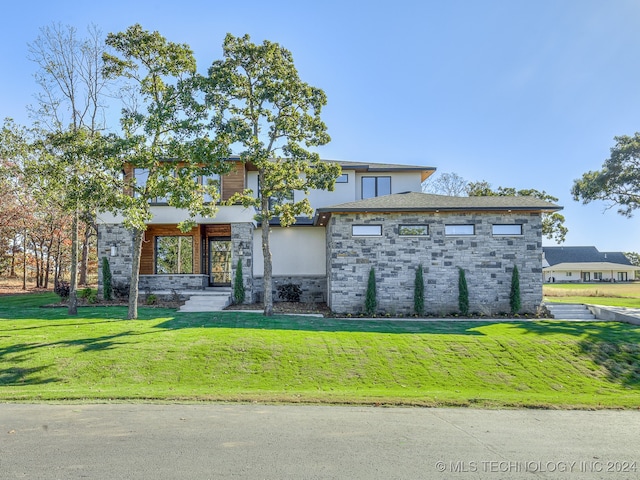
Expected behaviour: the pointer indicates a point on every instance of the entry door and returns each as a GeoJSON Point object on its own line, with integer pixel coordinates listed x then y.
{"type": "Point", "coordinates": [219, 262]}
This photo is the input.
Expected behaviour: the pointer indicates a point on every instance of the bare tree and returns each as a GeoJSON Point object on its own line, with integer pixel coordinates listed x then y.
{"type": "Point", "coordinates": [70, 100]}
{"type": "Point", "coordinates": [450, 184]}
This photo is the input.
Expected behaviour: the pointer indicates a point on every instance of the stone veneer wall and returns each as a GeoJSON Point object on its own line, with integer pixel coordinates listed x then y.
{"type": "Point", "coordinates": [487, 260]}
{"type": "Point", "coordinates": [314, 287]}
{"type": "Point", "coordinates": [116, 235]}
{"type": "Point", "coordinates": [242, 248]}
{"type": "Point", "coordinates": [120, 264]}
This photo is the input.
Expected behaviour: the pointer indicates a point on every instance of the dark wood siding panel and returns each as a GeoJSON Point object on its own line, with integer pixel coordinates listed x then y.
{"type": "Point", "coordinates": [233, 182]}
{"type": "Point", "coordinates": [217, 230]}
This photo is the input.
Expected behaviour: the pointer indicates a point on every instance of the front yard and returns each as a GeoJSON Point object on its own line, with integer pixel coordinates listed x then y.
{"type": "Point", "coordinates": [171, 356]}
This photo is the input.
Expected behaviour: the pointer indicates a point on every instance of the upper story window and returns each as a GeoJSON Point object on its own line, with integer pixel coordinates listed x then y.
{"type": "Point", "coordinates": [413, 230]}
{"type": "Point", "coordinates": [459, 229]}
{"type": "Point", "coordinates": [366, 230]}
{"type": "Point", "coordinates": [375, 186]}
{"type": "Point", "coordinates": [515, 229]}
{"type": "Point", "coordinates": [344, 178]}
{"type": "Point", "coordinates": [210, 180]}
{"type": "Point", "coordinates": [141, 175]}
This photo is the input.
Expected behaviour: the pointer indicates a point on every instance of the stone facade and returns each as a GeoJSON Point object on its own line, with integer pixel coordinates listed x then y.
{"type": "Point", "coordinates": [314, 287]}
{"type": "Point", "coordinates": [487, 259]}
{"type": "Point", "coordinates": [121, 240]}
{"type": "Point", "coordinates": [242, 249]}
{"type": "Point", "coordinates": [172, 282]}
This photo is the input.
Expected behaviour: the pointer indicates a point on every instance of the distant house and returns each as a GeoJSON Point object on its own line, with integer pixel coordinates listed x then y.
{"type": "Point", "coordinates": [376, 217]}
{"type": "Point", "coordinates": [585, 264]}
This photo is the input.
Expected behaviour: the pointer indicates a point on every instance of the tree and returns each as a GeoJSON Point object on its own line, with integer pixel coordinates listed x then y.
{"type": "Point", "coordinates": [463, 293]}
{"type": "Point", "coordinates": [259, 103]}
{"type": "Point", "coordinates": [618, 182]}
{"type": "Point", "coordinates": [163, 134]}
{"type": "Point", "coordinates": [450, 184]}
{"type": "Point", "coordinates": [418, 294]}
{"type": "Point", "coordinates": [634, 258]}
{"type": "Point", "coordinates": [70, 106]}
{"type": "Point", "coordinates": [552, 223]}
{"type": "Point", "coordinates": [514, 294]}
{"type": "Point", "coordinates": [371, 302]}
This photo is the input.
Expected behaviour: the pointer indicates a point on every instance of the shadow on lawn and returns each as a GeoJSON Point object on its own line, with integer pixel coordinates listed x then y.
{"type": "Point", "coordinates": [613, 346]}
{"type": "Point", "coordinates": [318, 324]}
{"type": "Point", "coordinates": [19, 353]}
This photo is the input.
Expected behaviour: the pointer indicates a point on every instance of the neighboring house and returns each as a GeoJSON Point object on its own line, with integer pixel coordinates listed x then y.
{"type": "Point", "coordinates": [586, 264]}
{"type": "Point", "coordinates": [375, 218]}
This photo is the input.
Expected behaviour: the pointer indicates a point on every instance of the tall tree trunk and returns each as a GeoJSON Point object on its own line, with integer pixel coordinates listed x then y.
{"type": "Point", "coordinates": [24, 260]}
{"type": "Point", "coordinates": [135, 274]}
{"type": "Point", "coordinates": [12, 272]}
{"type": "Point", "coordinates": [84, 262]}
{"type": "Point", "coordinates": [73, 283]}
{"type": "Point", "coordinates": [267, 278]}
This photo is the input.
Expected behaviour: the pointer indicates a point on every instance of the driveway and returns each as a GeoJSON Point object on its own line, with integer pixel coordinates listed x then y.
{"type": "Point", "coordinates": [222, 441]}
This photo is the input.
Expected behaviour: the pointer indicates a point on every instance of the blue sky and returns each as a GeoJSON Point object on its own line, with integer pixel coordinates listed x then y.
{"type": "Point", "coordinates": [527, 94]}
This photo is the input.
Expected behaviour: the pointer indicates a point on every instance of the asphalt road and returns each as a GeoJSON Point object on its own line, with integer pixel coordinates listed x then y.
{"type": "Point", "coordinates": [227, 441]}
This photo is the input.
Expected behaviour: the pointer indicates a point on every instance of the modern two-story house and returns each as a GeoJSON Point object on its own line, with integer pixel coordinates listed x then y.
{"type": "Point", "coordinates": [376, 218]}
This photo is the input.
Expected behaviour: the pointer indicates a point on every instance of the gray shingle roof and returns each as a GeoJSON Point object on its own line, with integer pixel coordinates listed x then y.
{"type": "Point", "coordinates": [414, 201]}
{"type": "Point", "coordinates": [557, 255]}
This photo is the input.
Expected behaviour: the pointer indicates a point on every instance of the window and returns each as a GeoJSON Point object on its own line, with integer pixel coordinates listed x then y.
{"type": "Point", "coordinates": [366, 230]}
{"type": "Point", "coordinates": [375, 186]}
{"type": "Point", "coordinates": [622, 276]}
{"type": "Point", "coordinates": [506, 229]}
{"type": "Point", "coordinates": [174, 254]}
{"type": "Point", "coordinates": [569, 274]}
{"type": "Point", "coordinates": [597, 276]}
{"type": "Point", "coordinates": [141, 175]}
{"type": "Point", "coordinates": [344, 178]}
{"type": "Point", "coordinates": [459, 229]}
{"type": "Point", "coordinates": [210, 180]}
{"type": "Point", "coordinates": [413, 230]}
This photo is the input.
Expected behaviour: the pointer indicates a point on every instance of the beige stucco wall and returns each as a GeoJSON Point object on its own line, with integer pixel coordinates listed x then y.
{"type": "Point", "coordinates": [294, 251]}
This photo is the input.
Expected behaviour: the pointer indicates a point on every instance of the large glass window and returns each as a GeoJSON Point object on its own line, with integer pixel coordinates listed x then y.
{"type": "Point", "coordinates": [174, 254]}
{"type": "Point", "coordinates": [413, 230]}
{"type": "Point", "coordinates": [459, 229]}
{"type": "Point", "coordinates": [375, 186]}
{"type": "Point", "coordinates": [366, 230]}
{"type": "Point", "coordinates": [515, 229]}
{"type": "Point", "coordinates": [211, 180]}
{"type": "Point", "coordinates": [141, 175]}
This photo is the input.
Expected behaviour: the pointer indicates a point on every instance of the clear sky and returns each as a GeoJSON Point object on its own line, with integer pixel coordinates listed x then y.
{"type": "Point", "coordinates": [520, 93]}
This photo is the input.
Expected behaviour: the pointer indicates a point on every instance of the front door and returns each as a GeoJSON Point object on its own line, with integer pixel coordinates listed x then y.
{"type": "Point", "coordinates": [219, 262]}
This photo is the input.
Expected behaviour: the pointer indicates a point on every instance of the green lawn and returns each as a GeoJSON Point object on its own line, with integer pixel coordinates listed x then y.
{"type": "Point", "coordinates": [608, 294]}
{"type": "Point", "coordinates": [165, 355]}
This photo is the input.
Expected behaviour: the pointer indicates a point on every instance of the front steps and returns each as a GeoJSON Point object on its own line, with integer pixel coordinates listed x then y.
{"type": "Point", "coordinates": [209, 300]}
{"type": "Point", "coordinates": [568, 311]}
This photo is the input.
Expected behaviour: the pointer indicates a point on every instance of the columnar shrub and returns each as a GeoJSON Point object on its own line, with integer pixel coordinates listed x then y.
{"type": "Point", "coordinates": [238, 284]}
{"type": "Point", "coordinates": [514, 294]}
{"type": "Point", "coordinates": [463, 293]}
{"type": "Point", "coordinates": [418, 294]}
{"type": "Point", "coordinates": [107, 291]}
{"type": "Point", "coordinates": [371, 302]}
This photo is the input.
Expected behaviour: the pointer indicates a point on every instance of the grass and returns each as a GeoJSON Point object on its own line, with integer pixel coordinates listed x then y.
{"type": "Point", "coordinates": [609, 294]}
{"type": "Point", "coordinates": [167, 356]}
